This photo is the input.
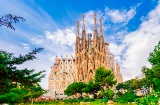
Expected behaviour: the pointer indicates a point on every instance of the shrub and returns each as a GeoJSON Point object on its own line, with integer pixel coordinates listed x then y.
{"type": "Point", "coordinates": [72, 100]}
{"type": "Point", "coordinates": [127, 97]}
{"type": "Point", "coordinates": [109, 94]}
{"type": "Point", "coordinates": [148, 100]}
{"type": "Point", "coordinates": [88, 99]}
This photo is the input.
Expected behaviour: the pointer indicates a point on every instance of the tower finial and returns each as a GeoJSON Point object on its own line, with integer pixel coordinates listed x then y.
{"type": "Point", "coordinates": [101, 33]}
{"type": "Point", "coordinates": [95, 26]}
{"type": "Point", "coordinates": [83, 24]}
{"type": "Point", "coordinates": [77, 28]}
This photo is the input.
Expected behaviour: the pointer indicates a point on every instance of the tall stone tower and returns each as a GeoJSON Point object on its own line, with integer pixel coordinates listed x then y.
{"type": "Point", "coordinates": [89, 53]}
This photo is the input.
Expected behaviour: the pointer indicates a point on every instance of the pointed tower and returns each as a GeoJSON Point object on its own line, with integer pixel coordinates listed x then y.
{"type": "Point", "coordinates": [101, 37]}
{"type": "Point", "coordinates": [77, 47]}
{"type": "Point", "coordinates": [77, 51]}
{"type": "Point", "coordinates": [102, 47]}
{"type": "Point", "coordinates": [83, 47]}
{"type": "Point", "coordinates": [95, 39]}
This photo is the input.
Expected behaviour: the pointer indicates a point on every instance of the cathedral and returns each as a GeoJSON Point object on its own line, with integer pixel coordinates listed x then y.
{"type": "Point", "coordinates": [91, 52]}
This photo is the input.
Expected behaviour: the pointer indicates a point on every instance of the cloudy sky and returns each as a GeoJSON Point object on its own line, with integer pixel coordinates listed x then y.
{"type": "Point", "coordinates": [131, 27]}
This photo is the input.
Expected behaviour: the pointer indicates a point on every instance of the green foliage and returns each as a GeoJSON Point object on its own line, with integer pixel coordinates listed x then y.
{"type": "Point", "coordinates": [88, 99]}
{"type": "Point", "coordinates": [153, 74]}
{"type": "Point", "coordinates": [72, 100]}
{"type": "Point", "coordinates": [17, 81]}
{"type": "Point", "coordinates": [101, 94]}
{"type": "Point", "coordinates": [132, 84]}
{"type": "Point", "coordinates": [109, 94]}
{"type": "Point", "coordinates": [50, 102]}
{"type": "Point", "coordinates": [148, 100]}
{"type": "Point", "coordinates": [91, 87]}
{"type": "Point", "coordinates": [120, 86]}
{"type": "Point", "coordinates": [104, 77]}
{"type": "Point", "coordinates": [76, 87]}
{"type": "Point", "coordinates": [8, 19]}
{"type": "Point", "coordinates": [33, 92]}
{"type": "Point", "coordinates": [119, 94]}
{"type": "Point", "coordinates": [11, 97]}
{"type": "Point", "coordinates": [127, 97]}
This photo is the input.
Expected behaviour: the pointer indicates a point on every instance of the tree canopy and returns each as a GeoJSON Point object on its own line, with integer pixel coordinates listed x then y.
{"type": "Point", "coordinates": [153, 74]}
{"type": "Point", "coordinates": [11, 77]}
{"type": "Point", "coordinates": [92, 87]}
{"type": "Point", "coordinates": [104, 77]}
{"type": "Point", "coordinates": [76, 87]}
{"type": "Point", "coordinates": [8, 19]}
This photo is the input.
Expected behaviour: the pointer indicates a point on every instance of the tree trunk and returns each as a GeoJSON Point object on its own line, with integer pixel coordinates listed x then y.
{"type": "Point", "coordinates": [32, 101]}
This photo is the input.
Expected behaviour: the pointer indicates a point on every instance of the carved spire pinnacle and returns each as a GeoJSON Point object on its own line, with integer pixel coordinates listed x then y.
{"type": "Point", "coordinates": [101, 33]}
{"type": "Point", "coordinates": [77, 28]}
{"type": "Point", "coordinates": [83, 24]}
{"type": "Point", "coordinates": [95, 26]}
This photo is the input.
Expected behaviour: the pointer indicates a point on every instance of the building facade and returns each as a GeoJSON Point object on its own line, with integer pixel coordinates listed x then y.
{"type": "Point", "coordinates": [90, 53]}
{"type": "Point", "coordinates": [60, 76]}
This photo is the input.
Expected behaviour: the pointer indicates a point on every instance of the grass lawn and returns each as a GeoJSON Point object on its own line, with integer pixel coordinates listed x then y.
{"type": "Point", "coordinates": [62, 103]}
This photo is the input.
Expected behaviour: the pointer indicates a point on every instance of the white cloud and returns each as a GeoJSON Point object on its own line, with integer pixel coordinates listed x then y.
{"type": "Point", "coordinates": [118, 16]}
{"type": "Point", "coordinates": [62, 37]}
{"type": "Point", "coordinates": [26, 46]}
{"type": "Point", "coordinates": [137, 45]}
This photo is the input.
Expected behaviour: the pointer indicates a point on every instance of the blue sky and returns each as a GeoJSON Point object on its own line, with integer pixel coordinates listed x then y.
{"type": "Point", "coordinates": [131, 27]}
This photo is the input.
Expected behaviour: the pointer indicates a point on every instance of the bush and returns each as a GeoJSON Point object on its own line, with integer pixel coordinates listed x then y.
{"type": "Point", "coordinates": [109, 94]}
{"type": "Point", "coordinates": [95, 96]}
{"type": "Point", "coordinates": [127, 97]}
{"type": "Point", "coordinates": [148, 100]}
{"type": "Point", "coordinates": [72, 100]}
{"type": "Point", "coordinates": [47, 102]}
{"type": "Point", "coordinates": [88, 99]}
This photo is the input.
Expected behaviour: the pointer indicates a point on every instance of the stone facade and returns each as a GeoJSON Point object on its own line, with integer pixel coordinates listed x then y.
{"type": "Point", "coordinates": [61, 76]}
{"type": "Point", "coordinates": [90, 53]}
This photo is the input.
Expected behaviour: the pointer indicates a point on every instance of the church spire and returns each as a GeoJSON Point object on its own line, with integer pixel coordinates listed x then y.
{"type": "Point", "coordinates": [95, 26]}
{"type": "Point", "coordinates": [83, 24]}
{"type": "Point", "coordinates": [77, 28]}
{"type": "Point", "coordinates": [101, 33]}
{"type": "Point", "coordinates": [95, 38]}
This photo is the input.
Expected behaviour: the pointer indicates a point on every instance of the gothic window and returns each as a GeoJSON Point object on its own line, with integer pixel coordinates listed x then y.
{"type": "Point", "coordinates": [90, 73]}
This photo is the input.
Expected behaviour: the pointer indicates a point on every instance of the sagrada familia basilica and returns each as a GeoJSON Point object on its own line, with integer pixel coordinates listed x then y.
{"type": "Point", "coordinates": [90, 53]}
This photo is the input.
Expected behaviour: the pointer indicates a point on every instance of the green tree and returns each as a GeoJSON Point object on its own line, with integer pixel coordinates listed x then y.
{"type": "Point", "coordinates": [104, 78]}
{"type": "Point", "coordinates": [11, 76]}
{"type": "Point", "coordinates": [33, 92]}
{"type": "Point", "coordinates": [74, 88]}
{"type": "Point", "coordinates": [153, 74]}
{"type": "Point", "coordinates": [109, 94]}
{"type": "Point", "coordinates": [8, 19]}
{"type": "Point", "coordinates": [92, 87]}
